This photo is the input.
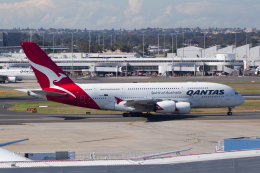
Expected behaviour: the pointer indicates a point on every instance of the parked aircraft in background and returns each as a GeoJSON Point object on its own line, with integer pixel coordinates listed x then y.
{"type": "Point", "coordinates": [132, 98]}
{"type": "Point", "coordinates": [16, 74]}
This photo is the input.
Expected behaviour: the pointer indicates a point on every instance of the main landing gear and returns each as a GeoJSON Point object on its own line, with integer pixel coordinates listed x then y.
{"type": "Point", "coordinates": [229, 113]}
{"type": "Point", "coordinates": [136, 114]}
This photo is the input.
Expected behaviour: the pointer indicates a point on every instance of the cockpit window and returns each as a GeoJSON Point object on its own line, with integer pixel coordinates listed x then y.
{"type": "Point", "coordinates": [236, 93]}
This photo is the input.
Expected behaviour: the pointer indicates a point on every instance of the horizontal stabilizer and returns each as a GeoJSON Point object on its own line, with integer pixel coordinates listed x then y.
{"type": "Point", "coordinates": [8, 143]}
{"type": "Point", "coordinates": [48, 93]}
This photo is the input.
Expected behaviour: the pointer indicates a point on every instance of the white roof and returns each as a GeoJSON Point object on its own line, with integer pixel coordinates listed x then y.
{"type": "Point", "coordinates": [154, 161]}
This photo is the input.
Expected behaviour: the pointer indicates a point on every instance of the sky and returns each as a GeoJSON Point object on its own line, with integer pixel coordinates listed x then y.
{"type": "Point", "coordinates": [129, 14]}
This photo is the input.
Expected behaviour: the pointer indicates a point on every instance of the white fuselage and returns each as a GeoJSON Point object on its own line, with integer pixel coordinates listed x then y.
{"type": "Point", "coordinates": [20, 74]}
{"type": "Point", "coordinates": [199, 95]}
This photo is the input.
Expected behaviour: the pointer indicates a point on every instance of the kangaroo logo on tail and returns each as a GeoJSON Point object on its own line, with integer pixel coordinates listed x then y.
{"type": "Point", "coordinates": [52, 76]}
{"type": "Point", "coordinates": [61, 76]}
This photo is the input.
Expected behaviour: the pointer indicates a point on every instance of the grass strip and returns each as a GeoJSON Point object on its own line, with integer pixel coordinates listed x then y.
{"type": "Point", "coordinates": [11, 93]}
{"type": "Point", "coordinates": [58, 108]}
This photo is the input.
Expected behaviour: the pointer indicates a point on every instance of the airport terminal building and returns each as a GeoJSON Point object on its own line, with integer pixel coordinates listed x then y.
{"type": "Point", "coordinates": [189, 60]}
{"type": "Point", "coordinates": [132, 64]}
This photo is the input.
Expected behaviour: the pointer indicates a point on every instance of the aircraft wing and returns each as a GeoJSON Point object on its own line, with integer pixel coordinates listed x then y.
{"type": "Point", "coordinates": [3, 77]}
{"type": "Point", "coordinates": [12, 142]}
{"type": "Point", "coordinates": [145, 104]}
{"type": "Point", "coordinates": [137, 102]}
{"type": "Point", "coordinates": [8, 156]}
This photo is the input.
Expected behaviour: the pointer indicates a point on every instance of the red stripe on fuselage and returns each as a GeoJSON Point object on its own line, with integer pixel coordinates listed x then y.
{"type": "Point", "coordinates": [73, 88]}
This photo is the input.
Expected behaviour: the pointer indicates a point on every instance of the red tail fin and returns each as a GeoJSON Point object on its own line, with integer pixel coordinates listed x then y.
{"type": "Point", "coordinates": [53, 79]}
{"type": "Point", "coordinates": [46, 71]}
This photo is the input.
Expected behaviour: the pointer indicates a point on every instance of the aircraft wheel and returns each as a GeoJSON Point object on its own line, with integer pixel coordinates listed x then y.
{"type": "Point", "coordinates": [229, 113]}
{"type": "Point", "coordinates": [127, 115]}
{"type": "Point", "coordinates": [138, 114]}
{"type": "Point", "coordinates": [148, 115]}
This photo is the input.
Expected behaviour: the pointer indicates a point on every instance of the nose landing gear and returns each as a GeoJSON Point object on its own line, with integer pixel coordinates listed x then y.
{"type": "Point", "coordinates": [229, 113]}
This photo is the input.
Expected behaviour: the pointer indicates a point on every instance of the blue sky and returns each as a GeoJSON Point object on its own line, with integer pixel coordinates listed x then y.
{"type": "Point", "coordinates": [129, 14]}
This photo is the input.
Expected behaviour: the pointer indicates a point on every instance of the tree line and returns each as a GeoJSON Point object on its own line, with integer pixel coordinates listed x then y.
{"type": "Point", "coordinates": [134, 43]}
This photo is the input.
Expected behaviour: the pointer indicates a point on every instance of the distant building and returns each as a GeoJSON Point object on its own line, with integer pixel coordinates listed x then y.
{"type": "Point", "coordinates": [10, 39]}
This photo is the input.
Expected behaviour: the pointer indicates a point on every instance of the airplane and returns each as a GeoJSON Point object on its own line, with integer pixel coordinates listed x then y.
{"type": "Point", "coordinates": [8, 156]}
{"type": "Point", "coordinates": [132, 98]}
{"type": "Point", "coordinates": [16, 74]}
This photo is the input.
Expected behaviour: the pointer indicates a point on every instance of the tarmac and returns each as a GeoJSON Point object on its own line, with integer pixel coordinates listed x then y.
{"type": "Point", "coordinates": [115, 133]}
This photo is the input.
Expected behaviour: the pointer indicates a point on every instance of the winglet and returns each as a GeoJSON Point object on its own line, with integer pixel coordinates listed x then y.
{"type": "Point", "coordinates": [12, 142]}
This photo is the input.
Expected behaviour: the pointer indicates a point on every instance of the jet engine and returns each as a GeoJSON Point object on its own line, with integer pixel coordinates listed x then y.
{"type": "Point", "coordinates": [11, 79]}
{"type": "Point", "coordinates": [182, 108]}
{"type": "Point", "coordinates": [165, 107]}
{"type": "Point", "coordinates": [172, 107]}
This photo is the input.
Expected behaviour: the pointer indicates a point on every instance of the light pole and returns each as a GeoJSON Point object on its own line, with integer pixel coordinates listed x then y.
{"type": "Point", "coordinates": [164, 45]}
{"type": "Point", "coordinates": [30, 36]}
{"type": "Point", "coordinates": [72, 47]}
{"type": "Point", "coordinates": [176, 43]}
{"type": "Point", "coordinates": [43, 40]}
{"type": "Point", "coordinates": [204, 44]}
{"type": "Point", "coordinates": [172, 44]}
{"type": "Point", "coordinates": [158, 45]}
{"type": "Point", "coordinates": [103, 45]}
{"type": "Point", "coordinates": [246, 50]}
{"type": "Point", "coordinates": [111, 40]}
{"type": "Point", "coordinates": [143, 44]}
{"type": "Point", "coordinates": [182, 44]}
{"type": "Point", "coordinates": [89, 43]}
{"type": "Point", "coordinates": [53, 46]}
{"type": "Point", "coordinates": [172, 54]}
{"type": "Point", "coordinates": [235, 41]}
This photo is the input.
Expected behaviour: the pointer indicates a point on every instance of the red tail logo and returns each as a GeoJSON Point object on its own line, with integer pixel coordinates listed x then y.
{"type": "Point", "coordinates": [52, 78]}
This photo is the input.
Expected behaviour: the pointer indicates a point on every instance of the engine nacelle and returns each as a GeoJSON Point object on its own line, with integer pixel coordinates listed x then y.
{"type": "Point", "coordinates": [11, 79]}
{"type": "Point", "coordinates": [182, 108]}
{"type": "Point", "coordinates": [165, 107]}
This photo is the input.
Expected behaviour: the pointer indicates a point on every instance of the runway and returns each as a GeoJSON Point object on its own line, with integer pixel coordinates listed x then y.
{"type": "Point", "coordinates": [11, 117]}
{"type": "Point", "coordinates": [15, 118]}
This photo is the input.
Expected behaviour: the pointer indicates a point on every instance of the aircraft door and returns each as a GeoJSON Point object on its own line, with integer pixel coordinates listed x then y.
{"type": "Point", "coordinates": [96, 89]}
{"type": "Point", "coordinates": [122, 89]}
{"type": "Point", "coordinates": [227, 97]}
{"type": "Point", "coordinates": [110, 99]}
{"type": "Point", "coordinates": [182, 88]}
